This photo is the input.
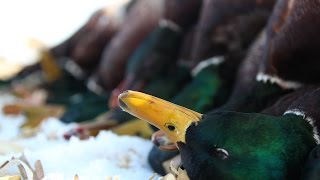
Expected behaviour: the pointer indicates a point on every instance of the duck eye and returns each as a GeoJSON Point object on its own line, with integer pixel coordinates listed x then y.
{"type": "Point", "coordinates": [221, 153]}
{"type": "Point", "coordinates": [171, 127]}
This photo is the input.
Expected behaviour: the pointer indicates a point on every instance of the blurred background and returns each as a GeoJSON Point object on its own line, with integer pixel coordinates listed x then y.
{"type": "Point", "coordinates": [26, 25]}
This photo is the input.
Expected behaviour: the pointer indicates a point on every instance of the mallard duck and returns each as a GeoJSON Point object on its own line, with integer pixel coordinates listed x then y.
{"type": "Point", "coordinates": [229, 145]}
{"type": "Point", "coordinates": [152, 66]}
{"type": "Point", "coordinates": [248, 96]}
{"type": "Point", "coordinates": [273, 83]}
{"type": "Point", "coordinates": [151, 59]}
{"type": "Point", "coordinates": [227, 48]}
{"type": "Point", "coordinates": [231, 34]}
{"type": "Point", "coordinates": [183, 13]}
{"type": "Point", "coordinates": [116, 117]}
{"type": "Point", "coordinates": [227, 27]}
{"type": "Point", "coordinates": [291, 57]}
{"type": "Point", "coordinates": [142, 18]}
{"type": "Point", "coordinates": [304, 101]}
{"type": "Point", "coordinates": [277, 70]}
{"type": "Point", "coordinates": [312, 168]}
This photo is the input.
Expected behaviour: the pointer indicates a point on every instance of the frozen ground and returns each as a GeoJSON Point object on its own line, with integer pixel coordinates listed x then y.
{"type": "Point", "coordinates": [105, 156]}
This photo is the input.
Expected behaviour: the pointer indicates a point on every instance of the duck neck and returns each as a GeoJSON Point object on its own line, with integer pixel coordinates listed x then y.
{"type": "Point", "coordinates": [207, 89]}
{"type": "Point", "coordinates": [259, 96]}
{"type": "Point", "coordinates": [308, 121]}
{"type": "Point", "coordinates": [307, 105]}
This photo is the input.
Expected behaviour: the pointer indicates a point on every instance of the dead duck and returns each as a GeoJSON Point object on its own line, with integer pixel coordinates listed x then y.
{"type": "Point", "coordinates": [141, 20]}
{"type": "Point", "coordinates": [221, 153]}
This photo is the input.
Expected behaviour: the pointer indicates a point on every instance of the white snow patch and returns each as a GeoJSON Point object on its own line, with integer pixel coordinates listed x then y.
{"type": "Point", "coordinates": [107, 155]}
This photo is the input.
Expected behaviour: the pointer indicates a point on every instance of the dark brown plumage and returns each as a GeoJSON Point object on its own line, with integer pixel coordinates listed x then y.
{"type": "Point", "coordinates": [293, 41]}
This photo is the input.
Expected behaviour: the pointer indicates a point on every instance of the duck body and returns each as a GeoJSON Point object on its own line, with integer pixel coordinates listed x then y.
{"type": "Point", "coordinates": [231, 34]}
{"type": "Point", "coordinates": [173, 81]}
{"type": "Point", "coordinates": [231, 26]}
{"type": "Point", "coordinates": [184, 13]}
{"type": "Point", "coordinates": [121, 47]}
{"type": "Point", "coordinates": [151, 59]}
{"type": "Point", "coordinates": [293, 41]}
{"type": "Point", "coordinates": [260, 96]}
{"type": "Point", "coordinates": [312, 167]}
{"type": "Point", "coordinates": [206, 90]}
{"type": "Point", "coordinates": [134, 31]}
{"type": "Point", "coordinates": [157, 51]}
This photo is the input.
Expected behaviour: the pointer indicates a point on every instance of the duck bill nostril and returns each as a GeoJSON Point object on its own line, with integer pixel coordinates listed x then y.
{"type": "Point", "coordinates": [123, 105]}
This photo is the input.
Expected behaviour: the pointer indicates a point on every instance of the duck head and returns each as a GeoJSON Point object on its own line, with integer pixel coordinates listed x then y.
{"type": "Point", "coordinates": [228, 145]}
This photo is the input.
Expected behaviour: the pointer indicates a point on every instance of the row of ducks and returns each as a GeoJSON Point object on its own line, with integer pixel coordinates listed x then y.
{"type": "Point", "coordinates": [252, 88]}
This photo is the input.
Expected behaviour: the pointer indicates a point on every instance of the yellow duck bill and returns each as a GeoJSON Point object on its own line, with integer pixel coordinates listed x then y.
{"type": "Point", "coordinates": [172, 119]}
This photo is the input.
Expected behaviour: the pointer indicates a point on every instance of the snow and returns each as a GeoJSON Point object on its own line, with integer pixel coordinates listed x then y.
{"type": "Point", "coordinates": [105, 156]}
